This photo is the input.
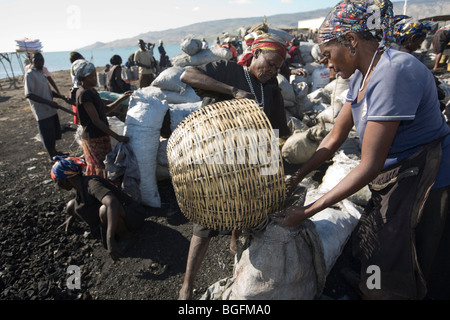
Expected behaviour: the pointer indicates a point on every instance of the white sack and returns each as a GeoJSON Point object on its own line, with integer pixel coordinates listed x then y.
{"type": "Point", "coordinates": [279, 264]}
{"type": "Point", "coordinates": [342, 165]}
{"type": "Point", "coordinates": [118, 127]}
{"type": "Point", "coordinates": [310, 67]}
{"type": "Point", "coordinates": [316, 53]}
{"type": "Point", "coordinates": [162, 153]}
{"type": "Point", "coordinates": [305, 104]}
{"type": "Point", "coordinates": [169, 79]}
{"type": "Point", "coordinates": [337, 86]}
{"type": "Point", "coordinates": [301, 145]}
{"type": "Point", "coordinates": [287, 91]}
{"type": "Point", "coordinates": [330, 113]}
{"type": "Point", "coordinates": [171, 97]}
{"type": "Point", "coordinates": [191, 46]}
{"type": "Point", "coordinates": [305, 49]}
{"type": "Point", "coordinates": [143, 126]}
{"type": "Point", "coordinates": [180, 111]}
{"type": "Point", "coordinates": [204, 56]}
{"type": "Point", "coordinates": [286, 36]}
{"type": "Point", "coordinates": [289, 263]}
{"type": "Point", "coordinates": [320, 78]}
{"type": "Point", "coordinates": [334, 227]}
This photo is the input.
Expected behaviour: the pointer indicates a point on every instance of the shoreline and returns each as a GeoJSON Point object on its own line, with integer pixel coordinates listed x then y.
{"type": "Point", "coordinates": [8, 83]}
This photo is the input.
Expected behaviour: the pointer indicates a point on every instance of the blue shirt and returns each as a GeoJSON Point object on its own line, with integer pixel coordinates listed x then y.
{"type": "Point", "coordinates": [403, 89]}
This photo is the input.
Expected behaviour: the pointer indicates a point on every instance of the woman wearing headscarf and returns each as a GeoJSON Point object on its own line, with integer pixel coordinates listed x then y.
{"type": "Point", "coordinates": [409, 35]}
{"type": "Point", "coordinates": [92, 112]}
{"type": "Point", "coordinates": [405, 154]}
{"type": "Point", "coordinates": [108, 211]}
{"type": "Point", "coordinates": [253, 77]}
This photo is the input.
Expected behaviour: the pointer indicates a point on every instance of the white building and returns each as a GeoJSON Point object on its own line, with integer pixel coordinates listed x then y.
{"type": "Point", "coordinates": [311, 23]}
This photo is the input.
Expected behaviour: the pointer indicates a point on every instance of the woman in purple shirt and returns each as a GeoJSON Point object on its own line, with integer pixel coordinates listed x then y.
{"type": "Point", "coordinates": [405, 154]}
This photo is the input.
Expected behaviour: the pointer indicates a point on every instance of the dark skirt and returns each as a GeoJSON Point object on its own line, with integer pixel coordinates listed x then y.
{"type": "Point", "coordinates": [386, 242]}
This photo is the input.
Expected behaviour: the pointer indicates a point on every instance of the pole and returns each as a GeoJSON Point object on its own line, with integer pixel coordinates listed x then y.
{"type": "Point", "coordinates": [405, 7]}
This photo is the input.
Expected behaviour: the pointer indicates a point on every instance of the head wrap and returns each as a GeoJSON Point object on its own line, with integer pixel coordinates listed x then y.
{"type": "Point", "coordinates": [82, 68]}
{"type": "Point", "coordinates": [359, 15]}
{"type": "Point", "coordinates": [66, 167]}
{"type": "Point", "coordinates": [250, 38]}
{"type": "Point", "coordinates": [406, 29]}
{"type": "Point", "coordinates": [265, 42]}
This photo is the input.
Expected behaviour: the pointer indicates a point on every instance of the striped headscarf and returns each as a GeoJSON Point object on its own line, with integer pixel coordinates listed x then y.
{"type": "Point", "coordinates": [265, 42]}
{"type": "Point", "coordinates": [82, 68]}
{"type": "Point", "coordinates": [66, 167]}
{"type": "Point", "coordinates": [250, 38]}
{"type": "Point", "coordinates": [359, 15]}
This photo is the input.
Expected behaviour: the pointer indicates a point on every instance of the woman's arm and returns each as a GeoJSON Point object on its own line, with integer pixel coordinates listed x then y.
{"type": "Point", "coordinates": [378, 138]}
{"type": "Point", "coordinates": [93, 115]}
{"type": "Point", "coordinates": [39, 99]}
{"type": "Point", "coordinates": [112, 106]}
{"type": "Point", "coordinates": [197, 79]}
{"type": "Point", "coordinates": [328, 146]}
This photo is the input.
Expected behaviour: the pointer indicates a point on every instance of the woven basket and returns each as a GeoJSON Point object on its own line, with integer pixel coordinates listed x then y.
{"type": "Point", "coordinates": [226, 167]}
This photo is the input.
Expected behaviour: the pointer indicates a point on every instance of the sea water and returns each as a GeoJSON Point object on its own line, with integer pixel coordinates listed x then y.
{"type": "Point", "coordinates": [56, 61]}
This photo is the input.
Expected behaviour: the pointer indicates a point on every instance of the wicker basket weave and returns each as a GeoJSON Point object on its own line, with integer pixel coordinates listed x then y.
{"type": "Point", "coordinates": [225, 183]}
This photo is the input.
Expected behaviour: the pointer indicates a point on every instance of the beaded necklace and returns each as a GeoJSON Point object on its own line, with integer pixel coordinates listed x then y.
{"type": "Point", "coordinates": [247, 76]}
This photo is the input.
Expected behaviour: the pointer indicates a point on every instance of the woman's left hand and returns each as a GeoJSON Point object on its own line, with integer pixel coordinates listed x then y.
{"type": "Point", "coordinates": [126, 95]}
{"type": "Point", "coordinates": [290, 217]}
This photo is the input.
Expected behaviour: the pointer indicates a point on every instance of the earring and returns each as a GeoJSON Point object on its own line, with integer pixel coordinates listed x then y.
{"type": "Point", "coordinates": [352, 51]}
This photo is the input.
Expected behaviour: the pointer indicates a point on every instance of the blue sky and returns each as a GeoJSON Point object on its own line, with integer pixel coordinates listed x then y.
{"type": "Point", "coordinates": [66, 25]}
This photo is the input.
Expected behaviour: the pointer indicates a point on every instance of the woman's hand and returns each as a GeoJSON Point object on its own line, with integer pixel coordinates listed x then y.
{"type": "Point", "coordinates": [239, 94]}
{"type": "Point", "coordinates": [126, 95]}
{"type": "Point", "coordinates": [290, 217]}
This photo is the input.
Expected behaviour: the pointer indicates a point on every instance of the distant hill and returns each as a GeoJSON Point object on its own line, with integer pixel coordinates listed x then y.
{"type": "Point", "coordinates": [210, 30]}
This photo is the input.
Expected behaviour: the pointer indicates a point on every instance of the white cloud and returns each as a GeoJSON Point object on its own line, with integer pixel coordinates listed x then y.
{"type": "Point", "coordinates": [196, 9]}
{"type": "Point", "coordinates": [240, 2]}
{"type": "Point", "coordinates": [286, 1]}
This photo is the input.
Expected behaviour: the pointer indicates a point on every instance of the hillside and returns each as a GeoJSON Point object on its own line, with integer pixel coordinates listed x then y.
{"type": "Point", "coordinates": [417, 9]}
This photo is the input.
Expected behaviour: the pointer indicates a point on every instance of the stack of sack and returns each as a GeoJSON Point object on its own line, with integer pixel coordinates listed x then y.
{"type": "Point", "coordinates": [194, 55]}
{"type": "Point", "coordinates": [312, 104]}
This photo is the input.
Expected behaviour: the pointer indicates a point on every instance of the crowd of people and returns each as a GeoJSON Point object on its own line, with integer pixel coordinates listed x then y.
{"type": "Point", "coordinates": [393, 103]}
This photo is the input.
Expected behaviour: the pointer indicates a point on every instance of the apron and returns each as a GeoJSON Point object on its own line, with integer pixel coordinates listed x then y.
{"type": "Point", "coordinates": [385, 235]}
